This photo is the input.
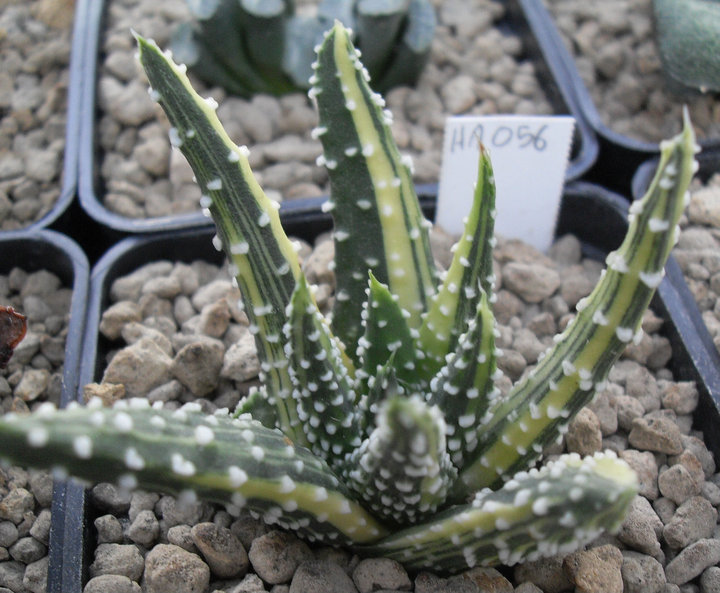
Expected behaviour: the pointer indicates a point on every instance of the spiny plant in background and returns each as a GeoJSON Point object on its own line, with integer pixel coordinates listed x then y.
{"type": "Point", "coordinates": [379, 428]}
{"type": "Point", "coordinates": [264, 46]}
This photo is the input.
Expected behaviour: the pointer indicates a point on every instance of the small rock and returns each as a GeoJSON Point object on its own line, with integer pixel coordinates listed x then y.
{"type": "Point", "coordinates": [641, 527]}
{"type": "Point", "coordinates": [276, 555]}
{"type": "Point", "coordinates": [8, 534]}
{"type": "Point", "coordinates": [170, 568]}
{"type": "Point", "coordinates": [140, 367]}
{"type": "Point", "coordinates": [110, 498]}
{"type": "Point", "coordinates": [693, 520]}
{"type": "Point", "coordinates": [597, 570]}
{"type": "Point", "coordinates": [678, 484]}
{"type": "Point", "coordinates": [27, 550]}
{"type": "Point", "coordinates": [321, 576]}
{"type": "Point", "coordinates": [116, 316]}
{"type": "Point", "coordinates": [197, 365]}
{"type": "Point", "coordinates": [33, 384]}
{"type": "Point", "coordinates": [547, 573]}
{"type": "Point", "coordinates": [642, 573]}
{"type": "Point", "coordinates": [36, 574]}
{"type": "Point", "coordinates": [11, 575]}
{"type": "Point", "coordinates": [109, 393]}
{"type": "Point", "coordinates": [181, 535]}
{"type": "Point", "coordinates": [372, 574]}
{"type": "Point", "coordinates": [109, 530]}
{"type": "Point", "coordinates": [532, 282]}
{"type": "Point", "coordinates": [644, 464]}
{"type": "Point", "coordinates": [121, 559]}
{"type": "Point", "coordinates": [682, 397]}
{"type": "Point", "coordinates": [111, 583]}
{"type": "Point", "coordinates": [656, 434]}
{"type": "Point", "coordinates": [14, 506]}
{"type": "Point", "coordinates": [488, 580]}
{"type": "Point", "coordinates": [710, 580]}
{"type": "Point", "coordinates": [692, 561]}
{"type": "Point", "coordinates": [223, 552]}
{"type": "Point", "coordinates": [584, 435]}
{"type": "Point", "coordinates": [241, 362]}
{"type": "Point", "coordinates": [145, 529]}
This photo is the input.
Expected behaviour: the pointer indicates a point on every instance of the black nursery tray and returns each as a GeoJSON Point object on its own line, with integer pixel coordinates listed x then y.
{"type": "Point", "coordinates": [595, 215]}
{"type": "Point", "coordinates": [33, 250]}
{"type": "Point", "coordinates": [619, 155]}
{"type": "Point", "coordinates": [537, 46]}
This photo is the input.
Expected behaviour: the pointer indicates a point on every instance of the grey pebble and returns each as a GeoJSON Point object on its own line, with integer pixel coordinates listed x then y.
{"type": "Point", "coordinates": [276, 555]}
{"type": "Point", "coordinates": [170, 568]}
{"type": "Point", "coordinates": [14, 506]}
{"type": "Point", "coordinates": [27, 550]}
{"type": "Point", "coordinates": [121, 559]}
{"type": "Point", "coordinates": [8, 534]}
{"type": "Point", "coordinates": [641, 573]}
{"type": "Point", "coordinates": [109, 497]}
{"type": "Point", "coordinates": [693, 560]}
{"type": "Point", "coordinates": [181, 536]}
{"type": "Point", "coordinates": [11, 575]}
{"type": "Point", "coordinates": [111, 583]}
{"type": "Point", "coordinates": [109, 530]}
{"type": "Point", "coordinates": [372, 574]}
{"type": "Point", "coordinates": [656, 434]}
{"type": "Point", "coordinates": [641, 528]}
{"type": "Point", "coordinates": [710, 580]}
{"type": "Point", "coordinates": [36, 574]}
{"type": "Point", "coordinates": [693, 520]}
{"type": "Point", "coordinates": [222, 551]}
{"type": "Point", "coordinates": [144, 529]}
{"type": "Point", "coordinates": [321, 576]}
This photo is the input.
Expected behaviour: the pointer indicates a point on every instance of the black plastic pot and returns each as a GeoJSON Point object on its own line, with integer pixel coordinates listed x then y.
{"type": "Point", "coordinates": [619, 155]}
{"type": "Point", "coordinates": [540, 50]}
{"type": "Point", "coordinates": [595, 215]}
{"type": "Point", "coordinates": [33, 250]}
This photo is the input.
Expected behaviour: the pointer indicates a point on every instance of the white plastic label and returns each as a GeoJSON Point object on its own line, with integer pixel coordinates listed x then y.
{"type": "Point", "coordinates": [529, 157]}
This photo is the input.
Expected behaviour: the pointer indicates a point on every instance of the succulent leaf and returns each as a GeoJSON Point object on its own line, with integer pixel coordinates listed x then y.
{"type": "Point", "coordinates": [402, 470]}
{"type": "Point", "coordinates": [470, 274]}
{"type": "Point", "coordinates": [236, 462]}
{"type": "Point", "coordinates": [323, 386]}
{"type": "Point", "coordinates": [538, 409]}
{"type": "Point", "coordinates": [264, 261]}
{"type": "Point", "coordinates": [464, 389]}
{"type": "Point", "coordinates": [386, 333]}
{"type": "Point", "coordinates": [372, 192]}
{"type": "Point", "coordinates": [540, 513]}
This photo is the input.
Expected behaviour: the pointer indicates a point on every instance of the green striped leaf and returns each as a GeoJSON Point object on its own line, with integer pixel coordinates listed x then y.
{"type": "Point", "coordinates": [556, 510]}
{"type": "Point", "coordinates": [373, 199]}
{"type": "Point", "coordinates": [538, 409]}
{"type": "Point", "coordinates": [236, 462]}
{"type": "Point", "coordinates": [470, 274]}
{"type": "Point", "coordinates": [263, 260]}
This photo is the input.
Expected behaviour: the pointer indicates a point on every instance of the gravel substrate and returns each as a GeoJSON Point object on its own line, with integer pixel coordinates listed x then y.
{"type": "Point", "coordinates": [616, 55]}
{"type": "Point", "coordinates": [34, 375]}
{"type": "Point", "coordinates": [35, 55]}
{"type": "Point", "coordinates": [698, 251]}
{"type": "Point", "coordinates": [474, 68]}
{"type": "Point", "coordinates": [165, 310]}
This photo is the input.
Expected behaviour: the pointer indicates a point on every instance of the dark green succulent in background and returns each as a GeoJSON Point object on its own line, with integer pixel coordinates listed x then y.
{"type": "Point", "coordinates": [379, 427]}
{"type": "Point", "coordinates": [267, 46]}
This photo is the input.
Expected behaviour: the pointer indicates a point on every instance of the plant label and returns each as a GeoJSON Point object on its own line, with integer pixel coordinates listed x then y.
{"type": "Point", "coordinates": [529, 157]}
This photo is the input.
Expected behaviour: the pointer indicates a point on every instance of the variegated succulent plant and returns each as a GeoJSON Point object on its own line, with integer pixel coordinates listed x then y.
{"type": "Point", "coordinates": [380, 427]}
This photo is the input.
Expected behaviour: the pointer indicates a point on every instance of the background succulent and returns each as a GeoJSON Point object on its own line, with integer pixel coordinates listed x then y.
{"type": "Point", "coordinates": [265, 46]}
{"type": "Point", "coordinates": [380, 427]}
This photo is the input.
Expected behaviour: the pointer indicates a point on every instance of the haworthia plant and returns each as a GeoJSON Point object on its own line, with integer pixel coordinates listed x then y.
{"type": "Point", "coordinates": [263, 46]}
{"type": "Point", "coordinates": [380, 428]}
